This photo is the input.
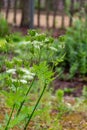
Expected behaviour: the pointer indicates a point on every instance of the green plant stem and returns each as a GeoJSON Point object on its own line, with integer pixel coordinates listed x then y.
{"type": "Point", "coordinates": [31, 85]}
{"type": "Point", "coordinates": [6, 128]}
{"type": "Point", "coordinates": [29, 117]}
{"type": "Point", "coordinates": [39, 59]}
{"type": "Point", "coordinates": [25, 97]}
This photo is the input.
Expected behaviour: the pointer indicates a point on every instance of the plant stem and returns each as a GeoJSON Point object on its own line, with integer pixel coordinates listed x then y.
{"type": "Point", "coordinates": [39, 59]}
{"type": "Point", "coordinates": [20, 107]}
{"type": "Point", "coordinates": [6, 128]}
{"type": "Point", "coordinates": [35, 107]}
{"type": "Point", "coordinates": [31, 85]}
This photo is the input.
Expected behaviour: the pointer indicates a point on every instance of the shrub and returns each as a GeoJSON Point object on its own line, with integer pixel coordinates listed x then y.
{"type": "Point", "coordinates": [75, 49]}
{"type": "Point", "coordinates": [4, 29]}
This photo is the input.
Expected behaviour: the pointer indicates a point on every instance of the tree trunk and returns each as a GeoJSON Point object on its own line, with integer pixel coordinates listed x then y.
{"type": "Point", "coordinates": [15, 11]}
{"type": "Point", "coordinates": [8, 8]}
{"type": "Point", "coordinates": [55, 5]}
{"type": "Point", "coordinates": [71, 12]}
{"type": "Point", "coordinates": [63, 15]}
{"type": "Point", "coordinates": [1, 5]}
{"type": "Point", "coordinates": [47, 2]}
{"type": "Point", "coordinates": [38, 13]}
{"type": "Point", "coordinates": [25, 20]}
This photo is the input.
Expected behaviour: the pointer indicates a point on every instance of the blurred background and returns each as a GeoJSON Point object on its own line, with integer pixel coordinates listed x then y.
{"type": "Point", "coordinates": [42, 13]}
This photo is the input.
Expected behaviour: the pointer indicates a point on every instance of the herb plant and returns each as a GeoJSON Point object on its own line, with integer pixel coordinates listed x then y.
{"type": "Point", "coordinates": [26, 67]}
{"type": "Point", "coordinates": [75, 46]}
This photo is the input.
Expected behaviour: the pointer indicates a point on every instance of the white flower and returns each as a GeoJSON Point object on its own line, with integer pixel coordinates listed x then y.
{"type": "Point", "coordinates": [11, 71]}
{"type": "Point", "coordinates": [27, 72]}
{"type": "Point", "coordinates": [28, 77]}
{"type": "Point", "coordinates": [19, 80]}
{"type": "Point", "coordinates": [23, 81]}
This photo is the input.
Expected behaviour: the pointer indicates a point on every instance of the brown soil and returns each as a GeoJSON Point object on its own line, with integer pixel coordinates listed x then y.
{"type": "Point", "coordinates": [69, 121]}
{"type": "Point", "coordinates": [76, 85]}
{"type": "Point", "coordinates": [54, 32]}
{"type": "Point", "coordinates": [74, 121]}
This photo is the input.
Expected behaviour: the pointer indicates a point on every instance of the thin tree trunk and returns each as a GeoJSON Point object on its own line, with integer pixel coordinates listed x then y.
{"type": "Point", "coordinates": [47, 2]}
{"type": "Point", "coordinates": [38, 13]}
{"type": "Point", "coordinates": [55, 4]}
{"type": "Point", "coordinates": [80, 8]}
{"type": "Point", "coordinates": [15, 11]}
{"type": "Point", "coordinates": [1, 5]}
{"type": "Point", "coordinates": [63, 15]}
{"type": "Point", "coordinates": [71, 12]}
{"type": "Point", "coordinates": [8, 8]}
